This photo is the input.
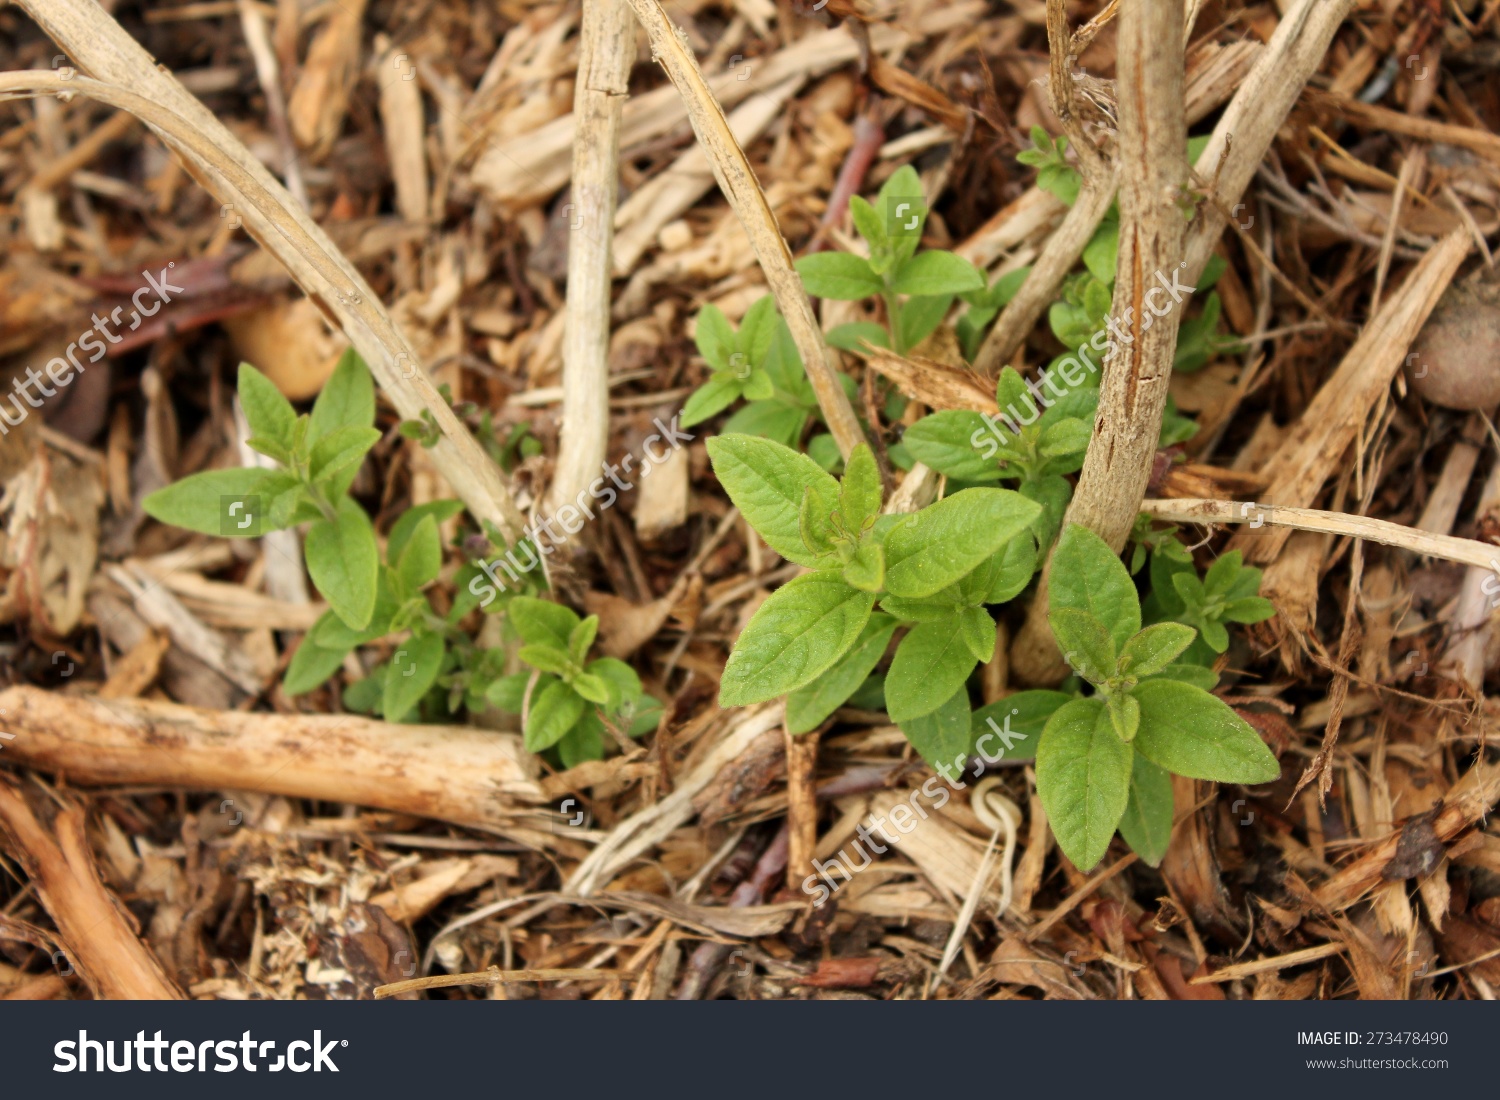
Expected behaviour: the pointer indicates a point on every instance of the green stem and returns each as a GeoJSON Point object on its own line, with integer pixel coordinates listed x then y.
{"type": "Point", "coordinates": [893, 319]}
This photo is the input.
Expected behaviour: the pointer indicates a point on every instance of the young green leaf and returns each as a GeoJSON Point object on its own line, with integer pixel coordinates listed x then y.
{"type": "Point", "coordinates": [767, 483]}
{"type": "Point", "coordinates": [867, 222]}
{"type": "Point", "coordinates": [715, 337]}
{"type": "Point", "coordinates": [758, 385]}
{"type": "Point", "coordinates": [711, 398]}
{"type": "Point", "coordinates": [934, 273]}
{"type": "Point", "coordinates": [347, 400]}
{"type": "Point", "coordinates": [1085, 644]}
{"type": "Point", "coordinates": [1147, 823]}
{"type": "Point", "coordinates": [581, 638]}
{"type": "Point", "coordinates": [1066, 437]}
{"type": "Point", "coordinates": [216, 502]}
{"type": "Point", "coordinates": [1088, 576]}
{"type": "Point", "coordinates": [920, 317]}
{"type": "Point", "coordinates": [1248, 609]}
{"type": "Point", "coordinates": [801, 630]}
{"type": "Point", "coordinates": [758, 330]}
{"type": "Point", "coordinates": [401, 530]}
{"type": "Point", "coordinates": [509, 692]}
{"type": "Point", "coordinates": [339, 450]}
{"type": "Point", "coordinates": [903, 210]}
{"type": "Point", "coordinates": [1101, 254]}
{"type": "Point", "coordinates": [542, 622]}
{"type": "Point", "coordinates": [311, 666]}
{"type": "Point", "coordinates": [1011, 570]}
{"type": "Point", "coordinates": [546, 657]}
{"type": "Point", "coordinates": [807, 707]}
{"type": "Point", "coordinates": [270, 415]}
{"type": "Point", "coordinates": [943, 736]}
{"type": "Point", "coordinates": [582, 743]}
{"type": "Point", "coordinates": [928, 551]}
{"type": "Point", "coordinates": [1011, 728]}
{"type": "Point", "coordinates": [422, 556]}
{"type": "Point", "coordinates": [859, 490]}
{"type": "Point", "coordinates": [1154, 648]}
{"type": "Point", "coordinates": [866, 569]}
{"type": "Point", "coordinates": [593, 688]}
{"type": "Point", "coordinates": [950, 441]}
{"type": "Point", "coordinates": [555, 709]}
{"type": "Point", "coordinates": [978, 631]}
{"type": "Point", "coordinates": [840, 276]}
{"type": "Point", "coordinates": [1197, 675]}
{"type": "Point", "coordinates": [931, 663]}
{"type": "Point", "coordinates": [343, 561]}
{"type": "Point", "coordinates": [1190, 732]}
{"type": "Point", "coordinates": [1083, 778]}
{"type": "Point", "coordinates": [413, 670]}
{"type": "Point", "coordinates": [854, 335]}
{"type": "Point", "coordinates": [1124, 716]}
{"type": "Point", "coordinates": [621, 680]}
{"type": "Point", "coordinates": [776, 421]}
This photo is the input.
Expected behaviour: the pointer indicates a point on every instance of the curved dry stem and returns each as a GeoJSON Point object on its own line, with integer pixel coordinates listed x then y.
{"type": "Point", "coordinates": [130, 81]}
{"type": "Point", "coordinates": [605, 53]}
{"type": "Point", "coordinates": [1058, 257]}
{"type": "Point", "coordinates": [737, 181]}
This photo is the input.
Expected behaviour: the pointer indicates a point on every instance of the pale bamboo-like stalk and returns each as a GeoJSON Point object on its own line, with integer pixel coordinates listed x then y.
{"type": "Point", "coordinates": [1233, 153]}
{"type": "Point", "coordinates": [1133, 392]}
{"type": "Point", "coordinates": [1471, 552]}
{"type": "Point", "coordinates": [1058, 257]}
{"type": "Point", "coordinates": [1255, 114]}
{"type": "Point", "coordinates": [1153, 189]}
{"type": "Point", "coordinates": [1068, 241]}
{"type": "Point", "coordinates": [737, 181]}
{"type": "Point", "coordinates": [127, 78]}
{"type": "Point", "coordinates": [606, 51]}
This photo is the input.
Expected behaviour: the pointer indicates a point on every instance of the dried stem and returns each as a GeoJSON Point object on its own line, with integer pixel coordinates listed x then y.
{"type": "Point", "coordinates": [737, 181]}
{"type": "Point", "coordinates": [1253, 117]}
{"type": "Point", "coordinates": [1153, 188]}
{"type": "Point", "coordinates": [1058, 257]}
{"type": "Point", "coordinates": [91, 923]}
{"type": "Point", "coordinates": [128, 79]}
{"type": "Point", "coordinates": [1482, 555]}
{"type": "Point", "coordinates": [469, 776]}
{"type": "Point", "coordinates": [1133, 392]}
{"type": "Point", "coordinates": [605, 54]}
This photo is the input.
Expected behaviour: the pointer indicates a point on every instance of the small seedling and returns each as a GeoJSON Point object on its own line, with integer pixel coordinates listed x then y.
{"type": "Point", "coordinates": [1104, 760]}
{"type": "Point", "coordinates": [917, 288]}
{"type": "Point", "coordinates": [567, 700]}
{"type": "Point", "coordinates": [818, 637]}
{"type": "Point", "coordinates": [758, 362]}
